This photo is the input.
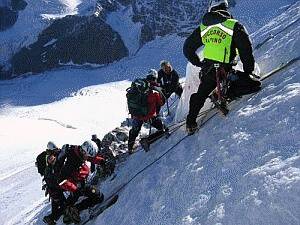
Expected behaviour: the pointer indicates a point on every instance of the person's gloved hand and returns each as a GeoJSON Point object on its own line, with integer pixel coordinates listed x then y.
{"type": "Point", "coordinates": [68, 186]}
{"type": "Point", "coordinates": [197, 63]}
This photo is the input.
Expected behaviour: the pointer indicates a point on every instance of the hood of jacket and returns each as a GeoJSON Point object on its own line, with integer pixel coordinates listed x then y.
{"type": "Point", "coordinates": [215, 17]}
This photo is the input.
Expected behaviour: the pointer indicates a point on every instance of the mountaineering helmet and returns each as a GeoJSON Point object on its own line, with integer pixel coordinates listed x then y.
{"type": "Point", "coordinates": [89, 148]}
{"type": "Point", "coordinates": [141, 84]}
{"type": "Point", "coordinates": [51, 146]}
{"type": "Point", "coordinates": [217, 3]}
{"type": "Point", "coordinates": [152, 75]}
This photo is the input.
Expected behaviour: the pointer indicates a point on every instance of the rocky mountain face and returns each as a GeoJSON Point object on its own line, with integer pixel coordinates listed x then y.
{"type": "Point", "coordinates": [159, 18]}
{"type": "Point", "coordinates": [82, 40]}
{"type": "Point", "coordinates": [71, 39]}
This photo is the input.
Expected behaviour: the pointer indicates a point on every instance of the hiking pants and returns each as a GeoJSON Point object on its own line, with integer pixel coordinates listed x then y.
{"type": "Point", "coordinates": [207, 85]}
{"type": "Point", "coordinates": [136, 128]}
{"type": "Point", "coordinates": [58, 205]}
{"type": "Point", "coordinates": [242, 86]}
{"type": "Point", "coordinates": [93, 197]}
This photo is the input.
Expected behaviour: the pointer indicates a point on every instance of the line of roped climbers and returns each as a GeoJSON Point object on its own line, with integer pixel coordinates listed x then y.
{"type": "Point", "coordinates": [223, 38]}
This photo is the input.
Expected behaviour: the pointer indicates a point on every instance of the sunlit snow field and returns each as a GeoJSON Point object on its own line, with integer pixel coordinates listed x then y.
{"type": "Point", "coordinates": [242, 169]}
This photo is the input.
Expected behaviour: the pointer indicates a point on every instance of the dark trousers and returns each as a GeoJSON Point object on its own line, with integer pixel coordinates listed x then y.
{"type": "Point", "coordinates": [58, 203]}
{"type": "Point", "coordinates": [207, 85]}
{"type": "Point", "coordinates": [93, 197]}
{"type": "Point", "coordinates": [136, 128]}
{"type": "Point", "coordinates": [242, 86]}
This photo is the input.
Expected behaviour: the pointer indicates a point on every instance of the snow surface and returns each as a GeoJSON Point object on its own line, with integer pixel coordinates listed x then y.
{"type": "Point", "coordinates": [121, 21]}
{"type": "Point", "coordinates": [242, 169]}
{"type": "Point", "coordinates": [255, 16]}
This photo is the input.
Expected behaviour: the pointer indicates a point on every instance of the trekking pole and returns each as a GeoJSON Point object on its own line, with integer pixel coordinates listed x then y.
{"type": "Point", "coordinates": [150, 127]}
{"type": "Point", "coordinates": [168, 107]}
{"type": "Point", "coordinates": [165, 97]}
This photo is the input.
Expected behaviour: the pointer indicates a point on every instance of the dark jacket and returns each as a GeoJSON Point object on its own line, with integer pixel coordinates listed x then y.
{"type": "Point", "coordinates": [240, 41]}
{"type": "Point", "coordinates": [169, 82]}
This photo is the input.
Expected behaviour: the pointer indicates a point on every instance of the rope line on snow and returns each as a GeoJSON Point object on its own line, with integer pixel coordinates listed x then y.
{"type": "Point", "coordinates": [203, 121]}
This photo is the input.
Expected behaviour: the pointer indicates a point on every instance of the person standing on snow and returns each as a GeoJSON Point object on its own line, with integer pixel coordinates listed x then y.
{"type": "Point", "coordinates": [222, 37]}
{"type": "Point", "coordinates": [143, 103]}
{"type": "Point", "coordinates": [168, 79]}
{"type": "Point", "coordinates": [52, 168]}
{"type": "Point", "coordinates": [152, 78]}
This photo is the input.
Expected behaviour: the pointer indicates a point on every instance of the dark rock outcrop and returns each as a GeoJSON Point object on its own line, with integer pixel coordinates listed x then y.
{"type": "Point", "coordinates": [9, 13]}
{"type": "Point", "coordinates": [8, 18]}
{"type": "Point", "coordinates": [71, 39]}
{"type": "Point", "coordinates": [161, 17]}
{"type": "Point", "coordinates": [18, 5]}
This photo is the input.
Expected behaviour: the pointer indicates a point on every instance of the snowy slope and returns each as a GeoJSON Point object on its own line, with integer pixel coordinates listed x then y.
{"type": "Point", "coordinates": [262, 13]}
{"type": "Point", "coordinates": [121, 21]}
{"type": "Point", "coordinates": [65, 106]}
{"type": "Point", "coordinates": [240, 170]}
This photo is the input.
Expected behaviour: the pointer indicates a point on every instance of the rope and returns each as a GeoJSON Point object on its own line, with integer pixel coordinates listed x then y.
{"type": "Point", "coordinates": [202, 122]}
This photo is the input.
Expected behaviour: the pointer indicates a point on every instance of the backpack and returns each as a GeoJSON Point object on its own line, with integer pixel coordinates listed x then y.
{"type": "Point", "coordinates": [41, 162]}
{"type": "Point", "coordinates": [137, 98]}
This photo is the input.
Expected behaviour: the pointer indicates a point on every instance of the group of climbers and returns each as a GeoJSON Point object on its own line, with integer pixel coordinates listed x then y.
{"type": "Point", "coordinates": [145, 98]}
{"type": "Point", "coordinates": [65, 171]}
{"type": "Point", "coordinates": [223, 39]}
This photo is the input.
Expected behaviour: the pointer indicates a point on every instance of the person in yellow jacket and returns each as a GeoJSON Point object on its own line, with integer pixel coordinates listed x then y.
{"type": "Point", "coordinates": [222, 37]}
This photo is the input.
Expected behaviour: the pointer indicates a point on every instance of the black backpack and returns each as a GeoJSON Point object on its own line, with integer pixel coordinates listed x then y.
{"type": "Point", "coordinates": [41, 162]}
{"type": "Point", "coordinates": [137, 98]}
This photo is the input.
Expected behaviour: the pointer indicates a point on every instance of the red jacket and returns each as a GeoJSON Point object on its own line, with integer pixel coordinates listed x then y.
{"type": "Point", "coordinates": [154, 100]}
{"type": "Point", "coordinates": [71, 184]}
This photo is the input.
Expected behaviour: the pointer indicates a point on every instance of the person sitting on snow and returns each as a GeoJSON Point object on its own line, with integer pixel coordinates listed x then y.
{"type": "Point", "coordinates": [221, 36]}
{"type": "Point", "coordinates": [73, 176]}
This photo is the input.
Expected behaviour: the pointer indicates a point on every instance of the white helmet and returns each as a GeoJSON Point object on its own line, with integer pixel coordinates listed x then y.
{"type": "Point", "coordinates": [90, 148]}
{"type": "Point", "coordinates": [153, 73]}
{"type": "Point", "coordinates": [51, 146]}
{"type": "Point", "coordinates": [215, 3]}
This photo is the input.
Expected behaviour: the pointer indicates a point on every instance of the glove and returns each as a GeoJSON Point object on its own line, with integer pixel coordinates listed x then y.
{"type": "Point", "coordinates": [68, 186]}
